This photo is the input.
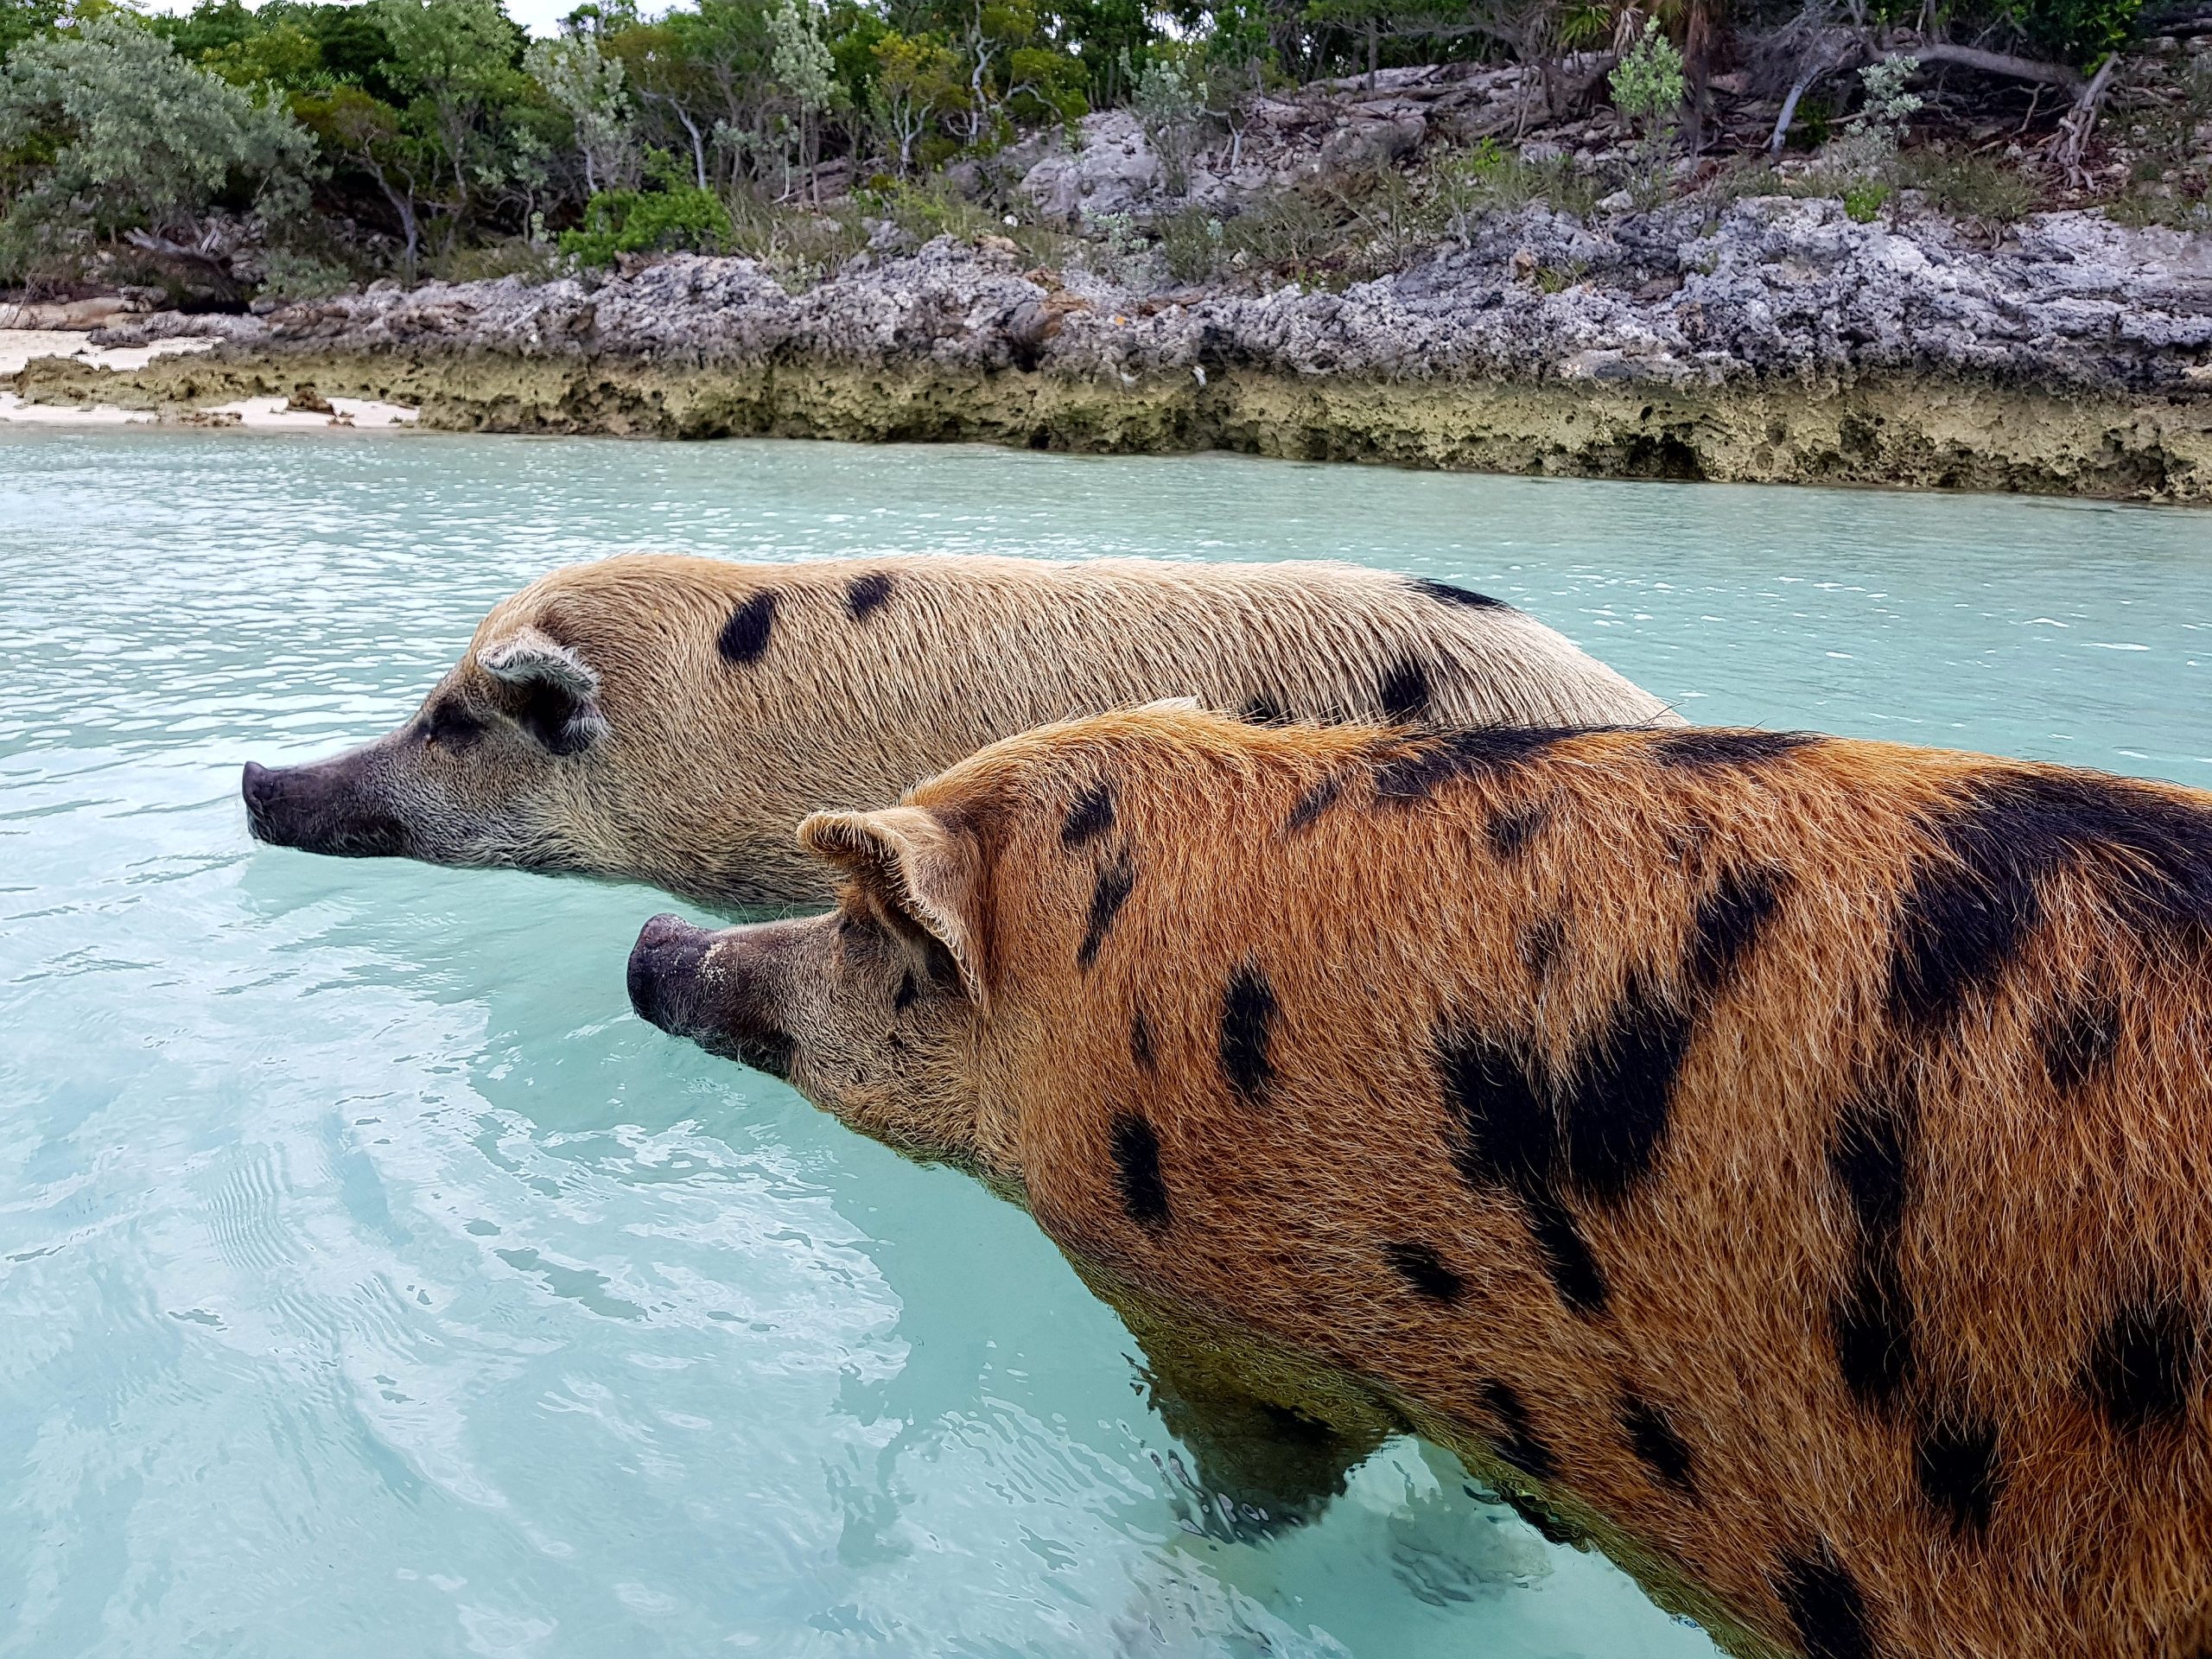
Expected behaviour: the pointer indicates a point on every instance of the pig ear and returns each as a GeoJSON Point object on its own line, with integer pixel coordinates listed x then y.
{"type": "Point", "coordinates": [560, 704]}
{"type": "Point", "coordinates": [918, 867]}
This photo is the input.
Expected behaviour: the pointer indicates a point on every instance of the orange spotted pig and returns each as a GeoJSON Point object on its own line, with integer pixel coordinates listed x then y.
{"type": "Point", "coordinates": [1789, 1158]}
{"type": "Point", "coordinates": [671, 720]}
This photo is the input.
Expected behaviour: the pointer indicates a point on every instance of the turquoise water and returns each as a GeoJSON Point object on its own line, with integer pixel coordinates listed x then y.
{"type": "Point", "coordinates": [375, 1284]}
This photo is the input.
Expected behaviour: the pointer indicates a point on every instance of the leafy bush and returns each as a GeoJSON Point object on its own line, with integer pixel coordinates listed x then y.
{"type": "Point", "coordinates": [682, 219]}
{"type": "Point", "coordinates": [1648, 84]}
{"type": "Point", "coordinates": [139, 138]}
{"type": "Point", "coordinates": [1967, 185]}
{"type": "Point", "coordinates": [1889, 106]}
{"type": "Point", "coordinates": [1488, 178]}
{"type": "Point", "coordinates": [2073, 31]}
{"type": "Point", "coordinates": [1170, 103]}
{"type": "Point", "coordinates": [1192, 244]}
{"type": "Point", "coordinates": [1862, 201]}
{"type": "Point", "coordinates": [294, 276]}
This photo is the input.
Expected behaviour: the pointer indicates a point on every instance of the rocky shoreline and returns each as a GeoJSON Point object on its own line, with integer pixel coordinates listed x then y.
{"type": "Point", "coordinates": [1776, 339]}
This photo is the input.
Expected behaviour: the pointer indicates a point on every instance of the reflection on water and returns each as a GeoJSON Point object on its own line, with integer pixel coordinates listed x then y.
{"type": "Point", "coordinates": [376, 1284]}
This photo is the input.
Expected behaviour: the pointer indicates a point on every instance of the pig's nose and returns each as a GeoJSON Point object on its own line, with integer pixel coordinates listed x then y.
{"type": "Point", "coordinates": [665, 971]}
{"type": "Point", "coordinates": [258, 786]}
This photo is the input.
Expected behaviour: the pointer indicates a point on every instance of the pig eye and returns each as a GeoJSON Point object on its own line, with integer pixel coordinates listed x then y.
{"type": "Point", "coordinates": [451, 725]}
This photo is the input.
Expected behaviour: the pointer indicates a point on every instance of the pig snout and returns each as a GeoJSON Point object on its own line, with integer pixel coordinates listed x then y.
{"type": "Point", "coordinates": [319, 808]}
{"type": "Point", "coordinates": [722, 1011]}
{"type": "Point", "coordinates": [663, 976]}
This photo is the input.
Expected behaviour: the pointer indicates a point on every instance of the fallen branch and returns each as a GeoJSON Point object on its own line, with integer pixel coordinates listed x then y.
{"type": "Point", "coordinates": [1991, 63]}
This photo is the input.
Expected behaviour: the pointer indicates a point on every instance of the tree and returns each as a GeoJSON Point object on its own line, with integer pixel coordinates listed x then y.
{"type": "Point", "coordinates": [369, 134]}
{"type": "Point", "coordinates": [457, 58]}
{"type": "Point", "coordinates": [803, 69]}
{"type": "Point", "coordinates": [142, 140]}
{"type": "Point", "coordinates": [284, 57]}
{"type": "Point", "coordinates": [22, 19]}
{"type": "Point", "coordinates": [587, 83]}
{"type": "Point", "coordinates": [916, 81]}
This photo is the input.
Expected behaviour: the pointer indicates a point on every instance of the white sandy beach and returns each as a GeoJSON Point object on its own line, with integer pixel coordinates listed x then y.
{"type": "Point", "coordinates": [19, 346]}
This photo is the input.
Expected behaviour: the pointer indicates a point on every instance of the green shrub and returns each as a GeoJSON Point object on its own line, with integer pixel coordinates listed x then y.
{"type": "Point", "coordinates": [686, 218]}
{"type": "Point", "coordinates": [295, 275]}
{"type": "Point", "coordinates": [1969, 186]}
{"type": "Point", "coordinates": [2074, 31]}
{"type": "Point", "coordinates": [120, 132]}
{"type": "Point", "coordinates": [1289, 231]}
{"type": "Point", "coordinates": [1488, 178]}
{"type": "Point", "coordinates": [1648, 84]}
{"type": "Point", "coordinates": [1863, 200]}
{"type": "Point", "coordinates": [513, 256]}
{"type": "Point", "coordinates": [1192, 244]}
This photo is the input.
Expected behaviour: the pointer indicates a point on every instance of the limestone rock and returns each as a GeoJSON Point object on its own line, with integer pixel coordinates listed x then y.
{"type": "Point", "coordinates": [1112, 170]}
{"type": "Point", "coordinates": [1781, 288]}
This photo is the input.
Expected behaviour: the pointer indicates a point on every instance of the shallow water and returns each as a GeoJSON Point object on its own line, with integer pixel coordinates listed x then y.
{"type": "Point", "coordinates": [375, 1284]}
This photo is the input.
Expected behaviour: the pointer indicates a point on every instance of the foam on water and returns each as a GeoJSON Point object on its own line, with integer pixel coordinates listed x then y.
{"type": "Point", "coordinates": [375, 1284]}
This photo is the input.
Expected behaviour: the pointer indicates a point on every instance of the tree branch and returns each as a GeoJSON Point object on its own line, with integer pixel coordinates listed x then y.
{"type": "Point", "coordinates": [1991, 63]}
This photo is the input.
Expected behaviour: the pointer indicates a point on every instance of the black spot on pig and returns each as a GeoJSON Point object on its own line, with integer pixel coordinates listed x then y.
{"type": "Point", "coordinates": [1504, 1136]}
{"type": "Point", "coordinates": [1713, 747]}
{"type": "Point", "coordinates": [1516, 1439]}
{"type": "Point", "coordinates": [1510, 832]}
{"type": "Point", "coordinates": [1872, 1329]}
{"type": "Point", "coordinates": [1140, 1049]}
{"type": "Point", "coordinates": [1405, 693]}
{"type": "Point", "coordinates": [1619, 1095]}
{"type": "Point", "coordinates": [1870, 1157]}
{"type": "Point", "coordinates": [1421, 1267]}
{"type": "Point", "coordinates": [2141, 1367]}
{"type": "Point", "coordinates": [1091, 816]}
{"type": "Point", "coordinates": [1445, 594]}
{"type": "Point", "coordinates": [1541, 944]}
{"type": "Point", "coordinates": [1654, 1439]}
{"type": "Point", "coordinates": [1313, 803]}
{"type": "Point", "coordinates": [866, 594]}
{"type": "Point", "coordinates": [745, 636]}
{"type": "Point", "coordinates": [1108, 895]}
{"type": "Point", "coordinates": [1136, 1172]}
{"type": "Point", "coordinates": [1425, 764]}
{"type": "Point", "coordinates": [1247, 1019]}
{"type": "Point", "coordinates": [1728, 923]}
{"type": "Point", "coordinates": [2078, 1042]}
{"type": "Point", "coordinates": [1974, 904]}
{"type": "Point", "coordinates": [1956, 1462]}
{"type": "Point", "coordinates": [1826, 1605]}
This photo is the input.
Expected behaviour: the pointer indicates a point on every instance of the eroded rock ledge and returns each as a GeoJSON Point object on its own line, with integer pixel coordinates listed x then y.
{"type": "Point", "coordinates": [1787, 343]}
